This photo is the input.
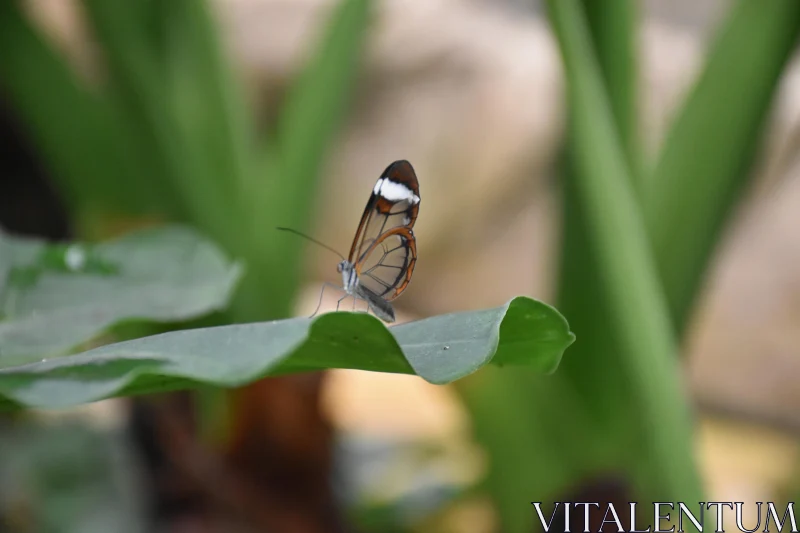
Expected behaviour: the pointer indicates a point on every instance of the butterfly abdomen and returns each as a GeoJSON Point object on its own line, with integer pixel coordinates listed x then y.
{"type": "Point", "coordinates": [379, 306]}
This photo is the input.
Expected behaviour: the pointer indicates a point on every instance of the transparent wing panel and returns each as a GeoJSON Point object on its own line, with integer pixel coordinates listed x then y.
{"type": "Point", "coordinates": [387, 266]}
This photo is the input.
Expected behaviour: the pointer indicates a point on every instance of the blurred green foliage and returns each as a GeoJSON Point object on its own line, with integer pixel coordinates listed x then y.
{"type": "Point", "coordinates": [161, 131]}
{"type": "Point", "coordinates": [166, 132]}
{"type": "Point", "coordinates": [635, 249]}
{"type": "Point", "coordinates": [49, 483]}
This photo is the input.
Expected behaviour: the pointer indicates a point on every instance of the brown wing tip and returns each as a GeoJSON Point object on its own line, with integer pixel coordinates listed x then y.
{"type": "Point", "coordinates": [401, 171]}
{"type": "Point", "coordinates": [401, 163]}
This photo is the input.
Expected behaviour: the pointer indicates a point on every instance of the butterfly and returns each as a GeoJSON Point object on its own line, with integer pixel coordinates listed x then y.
{"type": "Point", "coordinates": [384, 250]}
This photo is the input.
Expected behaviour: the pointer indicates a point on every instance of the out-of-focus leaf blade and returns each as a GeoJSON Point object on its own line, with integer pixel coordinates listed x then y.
{"type": "Point", "coordinates": [710, 148]}
{"type": "Point", "coordinates": [593, 372]}
{"type": "Point", "coordinates": [137, 83]}
{"type": "Point", "coordinates": [305, 129]}
{"type": "Point", "coordinates": [532, 446]}
{"type": "Point", "coordinates": [538, 448]}
{"type": "Point", "coordinates": [77, 479]}
{"type": "Point", "coordinates": [439, 349]}
{"type": "Point", "coordinates": [61, 295]}
{"type": "Point", "coordinates": [613, 26]}
{"type": "Point", "coordinates": [73, 128]}
{"type": "Point", "coordinates": [628, 277]}
{"type": "Point", "coordinates": [206, 98]}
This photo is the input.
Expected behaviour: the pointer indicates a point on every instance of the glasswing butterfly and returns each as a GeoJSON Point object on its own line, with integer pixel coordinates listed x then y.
{"type": "Point", "coordinates": [384, 250]}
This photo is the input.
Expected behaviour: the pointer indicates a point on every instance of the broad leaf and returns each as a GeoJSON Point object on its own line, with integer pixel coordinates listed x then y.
{"type": "Point", "coordinates": [439, 349]}
{"type": "Point", "coordinates": [59, 295]}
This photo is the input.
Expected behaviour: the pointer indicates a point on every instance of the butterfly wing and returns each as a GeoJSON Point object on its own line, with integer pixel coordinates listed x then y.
{"type": "Point", "coordinates": [389, 263]}
{"type": "Point", "coordinates": [384, 251]}
{"type": "Point", "coordinates": [394, 202]}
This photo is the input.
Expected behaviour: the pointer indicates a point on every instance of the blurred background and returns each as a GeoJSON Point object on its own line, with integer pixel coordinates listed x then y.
{"type": "Point", "coordinates": [237, 116]}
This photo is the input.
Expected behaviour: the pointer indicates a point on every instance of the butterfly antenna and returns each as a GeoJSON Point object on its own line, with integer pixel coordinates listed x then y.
{"type": "Point", "coordinates": [315, 241]}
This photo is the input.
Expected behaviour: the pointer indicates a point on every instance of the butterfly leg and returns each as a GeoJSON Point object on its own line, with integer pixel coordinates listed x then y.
{"type": "Point", "coordinates": [319, 304]}
{"type": "Point", "coordinates": [339, 302]}
{"type": "Point", "coordinates": [356, 299]}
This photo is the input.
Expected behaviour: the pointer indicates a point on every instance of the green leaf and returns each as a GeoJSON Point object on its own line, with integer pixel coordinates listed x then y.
{"type": "Point", "coordinates": [534, 434]}
{"type": "Point", "coordinates": [59, 295]}
{"type": "Point", "coordinates": [69, 477]}
{"type": "Point", "coordinates": [136, 84]}
{"type": "Point", "coordinates": [532, 448]}
{"type": "Point", "coordinates": [304, 131]}
{"type": "Point", "coordinates": [637, 308]}
{"type": "Point", "coordinates": [710, 148]}
{"type": "Point", "coordinates": [613, 26]}
{"type": "Point", "coordinates": [317, 102]}
{"type": "Point", "coordinates": [88, 163]}
{"type": "Point", "coordinates": [205, 95]}
{"type": "Point", "coordinates": [439, 349]}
